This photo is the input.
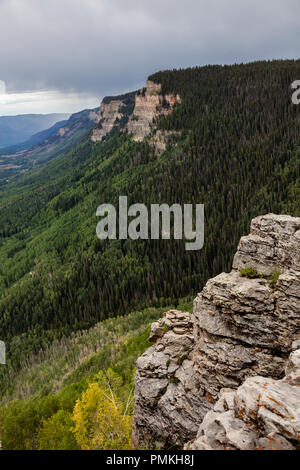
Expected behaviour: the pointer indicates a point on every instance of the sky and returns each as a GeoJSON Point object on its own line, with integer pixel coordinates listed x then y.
{"type": "Point", "coordinates": [65, 55]}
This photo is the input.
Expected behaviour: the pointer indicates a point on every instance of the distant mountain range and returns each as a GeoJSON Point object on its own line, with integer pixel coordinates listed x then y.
{"type": "Point", "coordinates": [17, 129]}
{"type": "Point", "coordinates": [47, 144]}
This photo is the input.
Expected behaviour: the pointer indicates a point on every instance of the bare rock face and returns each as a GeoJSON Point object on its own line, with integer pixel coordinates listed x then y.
{"type": "Point", "coordinates": [262, 414]}
{"type": "Point", "coordinates": [149, 105]}
{"type": "Point", "coordinates": [242, 328]}
{"type": "Point", "coordinates": [161, 398]}
{"type": "Point", "coordinates": [273, 244]}
{"type": "Point", "coordinates": [109, 113]}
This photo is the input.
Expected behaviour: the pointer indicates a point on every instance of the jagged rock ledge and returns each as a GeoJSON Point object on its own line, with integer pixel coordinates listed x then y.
{"type": "Point", "coordinates": [241, 330]}
{"type": "Point", "coordinates": [261, 414]}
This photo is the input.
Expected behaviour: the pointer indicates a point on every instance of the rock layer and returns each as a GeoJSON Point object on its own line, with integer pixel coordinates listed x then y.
{"type": "Point", "coordinates": [142, 109]}
{"type": "Point", "coordinates": [150, 103]}
{"type": "Point", "coordinates": [242, 328]}
{"type": "Point", "coordinates": [109, 114]}
{"type": "Point", "coordinates": [262, 414]}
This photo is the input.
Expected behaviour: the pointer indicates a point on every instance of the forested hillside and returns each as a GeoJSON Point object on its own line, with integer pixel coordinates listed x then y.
{"type": "Point", "coordinates": [40, 409]}
{"type": "Point", "coordinates": [236, 150]}
{"type": "Point", "coordinates": [46, 145]}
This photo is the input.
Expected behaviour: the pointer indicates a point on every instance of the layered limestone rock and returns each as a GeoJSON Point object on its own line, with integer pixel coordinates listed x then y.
{"type": "Point", "coordinates": [150, 103]}
{"type": "Point", "coordinates": [242, 328]}
{"type": "Point", "coordinates": [272, 244]}
{"type": "Point", "coordinates": [109, 114]}
{"type": "Point", "coordinates": [163, 411]}
{"type": "Point", "coordinates": [262, 414]}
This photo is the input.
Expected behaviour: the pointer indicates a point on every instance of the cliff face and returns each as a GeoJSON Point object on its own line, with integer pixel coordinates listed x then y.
{"type": "Point", "coordinates": [262, 414]}
{"type": "Point", "coordinates": [240, 328]}
{"type": "Point", "coordinates": [109, 113]}
{"type": "Point", "coordinates": [142, 109]}
{"type": "Point", "coordinates": [149, 105]}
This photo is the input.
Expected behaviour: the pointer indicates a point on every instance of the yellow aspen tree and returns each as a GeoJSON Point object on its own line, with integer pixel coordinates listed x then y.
{"type": "Point", "coordinates": [100, 423]}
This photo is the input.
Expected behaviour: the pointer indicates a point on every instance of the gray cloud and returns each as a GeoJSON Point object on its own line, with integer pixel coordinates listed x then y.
{"type": "Point", "coordinates": [109, 46]}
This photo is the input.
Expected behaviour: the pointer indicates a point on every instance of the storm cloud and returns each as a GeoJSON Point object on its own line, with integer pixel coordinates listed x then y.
{"type": "Point", "coordinates": [101, 47]}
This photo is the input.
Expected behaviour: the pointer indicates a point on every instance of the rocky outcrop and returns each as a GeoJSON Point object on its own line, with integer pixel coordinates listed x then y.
{"type": "Point", "coordinates": [112, 110]}
{"type": "Point", "coordinates": [162, 403]}
{"type": "Point", "coordinates": [242, 329]}
{"type": "Point", "coordinates": [159, 140]}
{"type": "Point", "coordinates": [262, 414]}
{"type": "Point", "coordinates": [150, 104]}
{"type": "Point", "coordinates": [108, 115]}
{"type": "Point", "coordinates": [142, 109]}
{"type": "Point", "coordinates": [273, 244]}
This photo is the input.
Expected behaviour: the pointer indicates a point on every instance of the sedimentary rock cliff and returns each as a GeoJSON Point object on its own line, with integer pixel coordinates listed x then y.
{"type": "Point", "coordinates": [142, 110]}
{"type": "Point", "coordinates": [150, 103]}
{"type": "Point", "coordinates": [240, 328]}
{"type": "Point", "coordinates": [112, 110]}
{"type": "Point", "coordinates": [108, 115]}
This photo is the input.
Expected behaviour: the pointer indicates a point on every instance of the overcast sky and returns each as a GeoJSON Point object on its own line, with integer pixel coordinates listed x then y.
{"type": "Point", "coordinates": [65, 55]}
